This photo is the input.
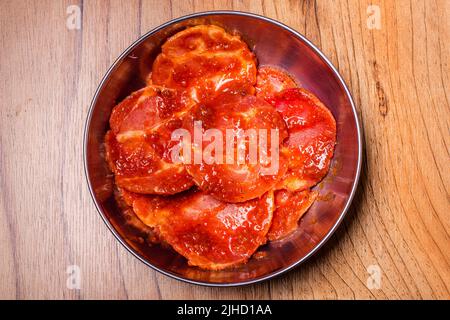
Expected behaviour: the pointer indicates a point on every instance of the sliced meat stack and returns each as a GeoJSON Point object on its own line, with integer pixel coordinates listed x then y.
{"type": "Point", "coordinates": [264, 144]}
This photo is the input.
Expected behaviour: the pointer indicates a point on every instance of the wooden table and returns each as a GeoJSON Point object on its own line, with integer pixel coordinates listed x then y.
{"type": "Point", "coordinates": [397, 68]}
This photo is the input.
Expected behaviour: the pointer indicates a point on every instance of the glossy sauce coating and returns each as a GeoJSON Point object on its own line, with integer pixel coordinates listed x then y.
{"type": "Point", "coordinates": [205, 60]}
{"type": "Point", "coordinates": [233, 181]}
{"type": "Point", "coordinates": [210, 233]}
{"type": "Point", "coordinates": [312, 137]}
{"type": "Point", "coordinates": [138, 145]}
{"type": "Point", "coordinates": [216, 215]}
{"type": "Point", "coordinates": [289, 208]}
{"type": "Point", "coordinates": [271, 80]}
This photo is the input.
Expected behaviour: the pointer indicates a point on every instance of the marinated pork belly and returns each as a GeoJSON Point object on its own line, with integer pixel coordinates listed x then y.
{"type": "Point", "coordinates": [233, 181]}
{"type": "Point", "coordinates": [312, 137]}
{"type": "Point", "coordinates": [289, 208]}
{"type": "Point", "coordinates": [205, 60]}
{"type": "Point", "coordinates": [270, 81]}
{"type": "Point", "coordinates": [139, 143]}
{"type": "Point", "coordinates": [263, 144]}
{"type": "Point", "coordinates": [209, 233]}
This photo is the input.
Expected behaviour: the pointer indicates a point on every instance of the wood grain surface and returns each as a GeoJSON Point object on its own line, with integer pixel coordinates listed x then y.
{"type": "Point", "coordinates": [399, 221]}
